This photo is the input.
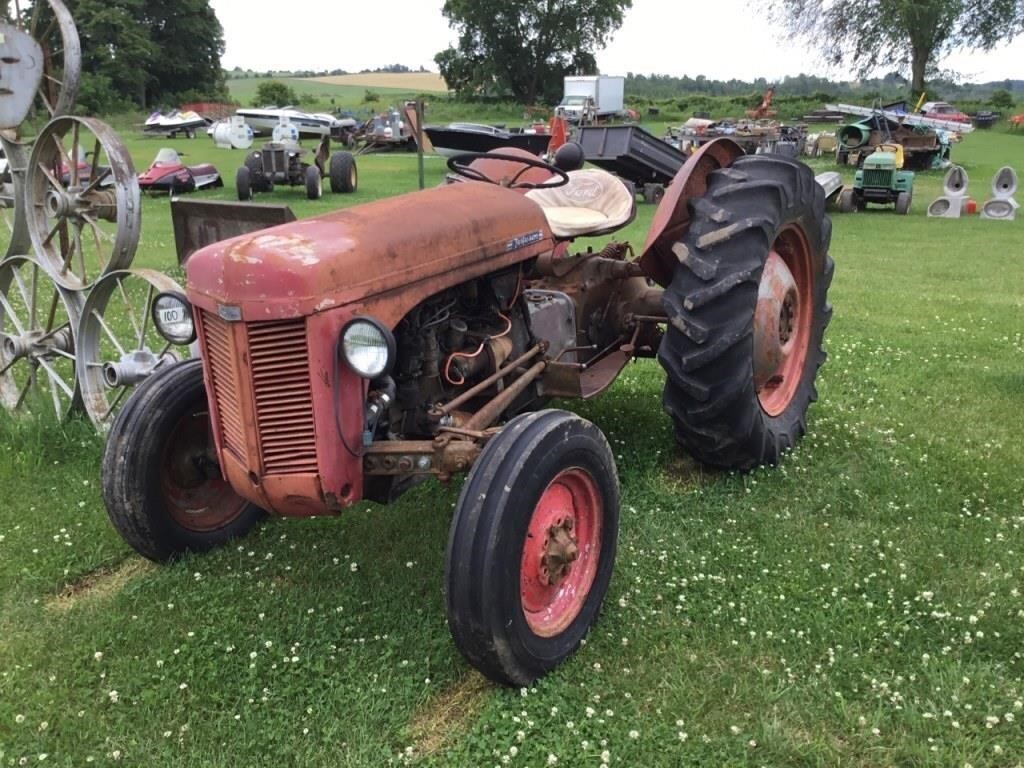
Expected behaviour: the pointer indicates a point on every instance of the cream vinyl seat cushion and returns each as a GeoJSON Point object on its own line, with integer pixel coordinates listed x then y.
{"type": "Point", "coordinates": [593, 202]}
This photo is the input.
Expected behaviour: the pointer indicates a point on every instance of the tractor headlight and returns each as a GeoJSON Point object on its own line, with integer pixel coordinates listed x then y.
{"type": "Point", "coordinates": [172, 316]}
{"type": "Point", "coordinates": [368, 347]}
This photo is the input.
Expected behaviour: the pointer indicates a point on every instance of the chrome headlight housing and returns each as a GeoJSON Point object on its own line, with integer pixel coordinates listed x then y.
{"type": "Point", "coordinates": [172, 316]}
{"type": "Point", "coordinates": [367, 347]}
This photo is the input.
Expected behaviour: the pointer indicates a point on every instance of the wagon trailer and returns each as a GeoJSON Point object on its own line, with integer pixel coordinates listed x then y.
{"type": "Point", "coordinates": [348, 356]}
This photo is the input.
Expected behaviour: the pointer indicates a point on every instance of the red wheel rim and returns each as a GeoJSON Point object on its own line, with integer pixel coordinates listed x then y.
{"type": "Point", "coordinates": [197, 497]}
{"type": "Point", "coordinates": [783, 320]}
{"type": "Point", "coordinates": [561, 552]}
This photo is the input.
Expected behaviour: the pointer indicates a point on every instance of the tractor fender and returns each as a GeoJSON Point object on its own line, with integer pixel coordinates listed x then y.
{"type": "Point", "coordinates": [672, 219]}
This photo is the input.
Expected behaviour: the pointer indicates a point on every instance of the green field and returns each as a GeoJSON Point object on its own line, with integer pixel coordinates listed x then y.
{"type": "Point", "coordinates": [859, 605]}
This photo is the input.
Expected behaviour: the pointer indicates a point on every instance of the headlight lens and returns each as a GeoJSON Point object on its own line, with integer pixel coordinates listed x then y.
{"type": "Point", "coordinates": [172, 315]}
{"type": "Point", "coordinates": [368, 347]}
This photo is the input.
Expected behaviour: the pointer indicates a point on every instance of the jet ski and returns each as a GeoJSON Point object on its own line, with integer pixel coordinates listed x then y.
{"type": "Point", "coordinates": [173, 123]}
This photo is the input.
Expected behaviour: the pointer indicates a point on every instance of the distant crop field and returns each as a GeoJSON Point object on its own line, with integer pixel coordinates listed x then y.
{"type": "Point", "coordinates": [426, 82]}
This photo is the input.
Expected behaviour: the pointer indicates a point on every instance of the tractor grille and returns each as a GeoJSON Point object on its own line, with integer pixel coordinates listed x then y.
{"type": "Point", "coordinates": [877, 178]}
{"type": "Point", "coordinates": [275, 161]}
{"type": "Point", "coordinates": [223, 362]}
{"type": "Point", "coordinates": [279, 367]}
{"type": "Point", "coordinates": [279, 357]}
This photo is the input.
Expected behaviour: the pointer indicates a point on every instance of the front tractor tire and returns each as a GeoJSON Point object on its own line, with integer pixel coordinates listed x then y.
{"type": "Point", "coordinates": [243, 183]}
{"type": "Point", "coordinates": [532, 546]}
{"type": "Point", "coordinates": [162, 486]}
{"type": "Point", "coordinates": [747, 310]}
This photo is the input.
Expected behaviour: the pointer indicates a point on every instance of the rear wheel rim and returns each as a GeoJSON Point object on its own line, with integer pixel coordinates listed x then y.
{"type": "Point", "coordinates": [198, 498]}
{"type": "Point", "coordinates": [783, 321]}
{"type": "Point", "coordinates": [561, 552]}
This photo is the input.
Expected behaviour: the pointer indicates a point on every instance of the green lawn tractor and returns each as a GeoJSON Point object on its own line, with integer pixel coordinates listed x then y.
{"type": "Point", "coordinates": [881, 180]}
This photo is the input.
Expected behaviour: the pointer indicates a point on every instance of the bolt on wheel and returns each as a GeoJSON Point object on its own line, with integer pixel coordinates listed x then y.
{"type": "Point", "coordinates": [55, 42]}
{"type": "Point", "coordinates": [118, 344]}
{"type": "Point", "coordinates": [82, 201]}
{"type": "Point", "coordinates": [38, 322]}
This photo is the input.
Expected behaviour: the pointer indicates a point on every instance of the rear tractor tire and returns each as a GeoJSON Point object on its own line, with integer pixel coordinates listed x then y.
{"type": "Point", "coordinates": [162, 486]}
{"type": "Point", "coordinates": [343, 173]}
{"type": "Point", "coordinates": [747, 311]}
{"type": "Point", "coordinates": [532, 546]}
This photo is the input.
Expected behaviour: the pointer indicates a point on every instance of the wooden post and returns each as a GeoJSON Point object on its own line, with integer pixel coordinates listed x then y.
{"type": "Point", "coordinates": [419, 140]}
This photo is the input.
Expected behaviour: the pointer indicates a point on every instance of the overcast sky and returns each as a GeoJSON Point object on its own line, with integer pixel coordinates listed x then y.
{"type": "Point", "coordinates": [721, 40]}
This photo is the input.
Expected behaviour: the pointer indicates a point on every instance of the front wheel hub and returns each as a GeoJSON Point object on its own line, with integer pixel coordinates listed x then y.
{"type": "Point", "coordinates": [561, 550]}
{"type": "Point", "coordinates": [560, 553]}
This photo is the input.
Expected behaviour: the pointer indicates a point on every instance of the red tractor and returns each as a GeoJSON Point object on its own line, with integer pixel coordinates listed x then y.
{"type": "Point", "coordinates": [348, 356]}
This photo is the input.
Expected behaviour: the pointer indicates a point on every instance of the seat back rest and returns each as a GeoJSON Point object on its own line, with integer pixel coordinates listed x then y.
{"type": "Point", "coordinates": [594, 202]}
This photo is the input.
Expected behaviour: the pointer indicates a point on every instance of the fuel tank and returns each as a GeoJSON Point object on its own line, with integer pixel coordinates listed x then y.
{"type": "Point", "coordinates": [414, 244]}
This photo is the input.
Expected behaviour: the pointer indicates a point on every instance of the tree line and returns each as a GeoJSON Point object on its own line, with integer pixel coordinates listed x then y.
{"type": "Point", "coordinates": [522, 51]}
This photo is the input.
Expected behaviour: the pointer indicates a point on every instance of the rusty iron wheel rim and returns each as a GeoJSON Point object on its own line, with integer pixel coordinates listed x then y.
{"type": "Point", "coordinates": [561, 552]}
{"type": "Point", "coordinates": [783, 320]}
{"type": "Point", "coordinates": [118, 346]}
{"type": "Point", "coordinates": [197, 497]}
{"type": "Point", "coordinates": [38, 332]}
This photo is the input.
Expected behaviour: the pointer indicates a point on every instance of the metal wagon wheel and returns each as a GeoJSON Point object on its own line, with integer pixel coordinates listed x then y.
{"type": "Point", "coordinates": [51, 25]}
{"type": "Point", "coordinates": [118, 345]}
{"type": "Point", "coordinates": [14, 237]}
{"type": "Point", "coordinates": [82, 201]}
{"type": "Point", "coordinates": [38, 322]}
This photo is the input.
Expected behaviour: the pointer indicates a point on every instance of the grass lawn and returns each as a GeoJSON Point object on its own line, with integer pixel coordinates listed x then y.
{"type": "Point", "coordinates": [859, 605]}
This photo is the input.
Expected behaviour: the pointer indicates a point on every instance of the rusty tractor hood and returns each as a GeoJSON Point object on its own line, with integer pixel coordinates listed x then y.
{"type": "Point", "coordinates": [419, 242]}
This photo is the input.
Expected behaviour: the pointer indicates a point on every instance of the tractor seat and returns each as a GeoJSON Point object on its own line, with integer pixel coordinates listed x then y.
{"type": "Point", "coordinates": [594, 202]}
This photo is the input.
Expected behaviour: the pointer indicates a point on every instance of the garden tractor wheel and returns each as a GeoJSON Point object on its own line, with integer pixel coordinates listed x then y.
{"type": "Point", "coordinates": [162, 485]}
{"type": "Point", "coordinates": [903, 201]}
{"type": "Point", "coordinates": [747, 311]}
{"type": "Point", "coordinates": [343, 173]}
{"type": "Point", "coordinates": [846, 202]}
{"type": "Point", "coordinates": [314, 188]}
{"type": "Point", "coordinates": [243, 183]}
{"type": "Point", "coordinates": [532, 545]}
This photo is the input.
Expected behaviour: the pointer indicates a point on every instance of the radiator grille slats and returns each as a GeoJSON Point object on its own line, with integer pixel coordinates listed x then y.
{"type": "Point", "coordinates": [223, 371]}
{"type": "Point", "coordinates": [279, 358]}
{"type": "Point", "coordinates": [877, 178]}
{"type": "Point", "coordinates": [278, 369]}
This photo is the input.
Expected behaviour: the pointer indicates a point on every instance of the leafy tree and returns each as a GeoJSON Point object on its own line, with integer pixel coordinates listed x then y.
{"type": "Point", "coordinates": [525, 49]}
{"type": "Point", "coordinates": [275, 92]}
{"type": "Point", "coordinates": [1001, 99]}
{"type": "Point", "coordinates": [188, 42]}
{"type": "Point", "coordinates": [864, 34]}
{"type": "Point", "coordinates": [150, 52]}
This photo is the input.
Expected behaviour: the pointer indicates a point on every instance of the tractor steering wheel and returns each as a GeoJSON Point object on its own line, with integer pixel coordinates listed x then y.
{"type": "Point", "coordinates": [461, 165]}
